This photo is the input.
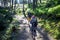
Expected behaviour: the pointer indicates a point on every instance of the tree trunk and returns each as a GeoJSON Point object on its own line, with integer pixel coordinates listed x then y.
{"type": "Point", "coordinates": [23, 9]}
{"type": "Point", "coordinates": [5, 3]}
{"type": "Point", "coordinates": [34, 4]}
{"type": "Point", "coordinates": [29, 2]}
{"type": "Point", "coordinates": [2, 3]}
{"type": "Point", "coordinates": [12, 4]}
{"type": "Point", "coordinates": [40, 1]}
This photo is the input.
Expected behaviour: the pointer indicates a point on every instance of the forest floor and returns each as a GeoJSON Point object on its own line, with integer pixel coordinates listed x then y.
{"type": "Point", "coordinates": [24, 33]}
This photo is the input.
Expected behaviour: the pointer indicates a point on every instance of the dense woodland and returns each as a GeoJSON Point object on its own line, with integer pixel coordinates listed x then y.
{"type": "Point", "coordinates": [47, 12]}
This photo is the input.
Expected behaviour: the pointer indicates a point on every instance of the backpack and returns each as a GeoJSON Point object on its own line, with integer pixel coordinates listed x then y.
{"type": "Point", "coordinates": [34, 22]}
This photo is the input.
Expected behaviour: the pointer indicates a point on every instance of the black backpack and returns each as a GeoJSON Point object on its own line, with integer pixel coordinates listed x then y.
{"type": "Point", "coordinates": [34, 22]}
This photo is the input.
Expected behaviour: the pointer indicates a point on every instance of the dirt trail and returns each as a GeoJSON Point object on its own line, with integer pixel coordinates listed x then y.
{"type": "Point", "coordinates": [24, 31]}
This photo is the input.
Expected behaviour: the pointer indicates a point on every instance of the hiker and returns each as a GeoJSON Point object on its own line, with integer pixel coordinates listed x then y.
{"type": "Point", "coordinates": [34, 26]}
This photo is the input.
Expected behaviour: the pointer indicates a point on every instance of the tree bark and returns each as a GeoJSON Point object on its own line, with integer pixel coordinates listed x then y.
{"type": "Point", "coordinates": [12, 4]}
{"type": "Point", "coordinates": [40, 1]}
{"type": "Point", "coordinates": [29, 2]}
{"type": "Point", "coordinates": [34, 4]}
{"type": "Point", "coordinates": [23, 9]}
{"type": "Point", "coordinates": [5, 3]}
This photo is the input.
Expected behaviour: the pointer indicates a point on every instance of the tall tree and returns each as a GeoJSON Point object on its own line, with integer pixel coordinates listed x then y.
{"type": "Point", "coordinates": [12, 3]}
{"type": "Point", "coordinates": [29, 2]}
{"type": "Point", "coordinates": [40, 1]}
{"type": "Point", "coordinates": [34, 4]}
{"type": "Point", "coordinates": [23, 9]}
{"type": "Point", "coordinates": [5, 3]}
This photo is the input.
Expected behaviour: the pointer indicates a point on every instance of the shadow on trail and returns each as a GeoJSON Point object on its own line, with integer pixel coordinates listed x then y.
{"type": "Point", "coordinates": [43, 33]}
{"type": "Point", "coordinates": [22, 35]}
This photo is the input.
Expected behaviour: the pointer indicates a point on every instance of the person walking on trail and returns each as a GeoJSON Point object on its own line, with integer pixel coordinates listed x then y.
{"type": "Point", "coordinates": [34, 26]}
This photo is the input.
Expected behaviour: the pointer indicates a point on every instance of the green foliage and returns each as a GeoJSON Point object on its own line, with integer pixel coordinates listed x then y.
{"type": "Point", "coordinates": [40, 11]}
{"type": "Point", "coordinates": [5, 18]}
{"type": "Point", "coordinates": [49, 14]}
{"type": "Point", "coordinates": [3, 11]}
{"type": "Point", "coordinates": [54, 10]}
{"type": "Point", "coordinates": [8, 24]}
{"type": "Point", "coordinates": [47, 26]}
{"type": "Point", "coordinates": [18, 11]}
{"type": "Point", "coordinates": [51, 26]}
{"type": "Point", "coordinates": [58, 1]}
{"type": "Point", "coordinates": [51, 3]}
{"type": "Point", "coordinates": [5, 21]}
